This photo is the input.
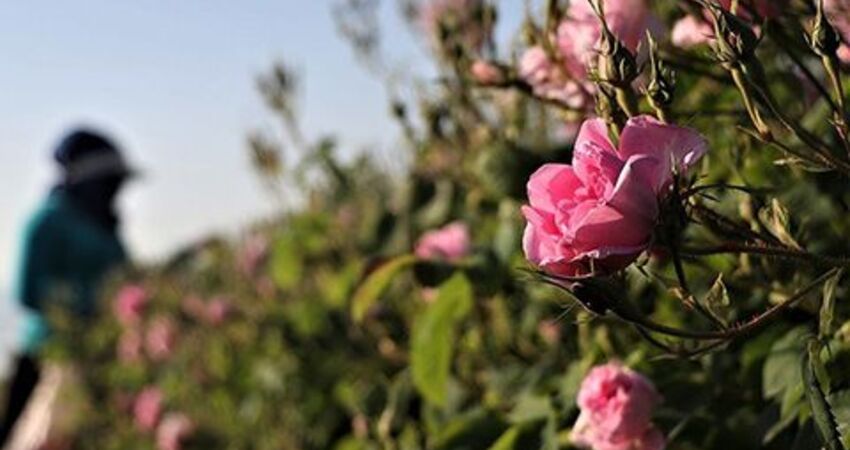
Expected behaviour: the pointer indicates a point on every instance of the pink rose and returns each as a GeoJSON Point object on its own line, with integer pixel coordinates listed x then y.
{"type": "Point", "coordinates": [598, 214]}
{"type": "Point", "coordinates": [160, 339]}
{"type": "Point", "coordinates": [147, 408]}
{"type": "Point", "coordinates": [576, 40]}
{"type": "Point", "coordinates": [616, 406]}
{"type": "Point", "coordinates": [217, 311]}
{"type": "Point", "coordinates": [461, 17]}
{"type": "Point", "coordinates": [552, 82]}
{"type": "Point", "coordinates": [130, 304]}
{"type": "Point", "coordinates": [173, 430]}
{"type": "Point", "coordinates": [838, 12]}
{"type": "Point", "coordinates": [130, 346]}
{"type": "Point", "coordinates": [486, 73]}
{"type": "Point", "coordinates": [450, 243]}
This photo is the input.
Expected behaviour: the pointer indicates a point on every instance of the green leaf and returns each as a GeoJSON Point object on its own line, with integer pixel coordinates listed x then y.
{"type": "Point", "coordinates": [782, 367]}
{"type": "Point", "coordinates": [828, 304]}
{"type": "Point", "coordinates": [371, 289]}
{"type": "Point", "coordinates": [433, 339]}
{"type": "Point", "coordinates": [821, 411]}
{"type": "Point", "coordinates": [287, 267]}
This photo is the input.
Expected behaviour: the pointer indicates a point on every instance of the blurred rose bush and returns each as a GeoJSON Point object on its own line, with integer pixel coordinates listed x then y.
{"type": "Point", "coordinates": [683, 196]}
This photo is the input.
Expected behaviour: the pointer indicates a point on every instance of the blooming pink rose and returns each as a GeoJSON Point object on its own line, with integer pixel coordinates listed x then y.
{"type": "Point", "coordinates": [130, 304]}
{"type": "Point", "coordinates": [460, 15]}
{"type": "Point", "coordinates": [616, 406]}
{"type": "Point", "coordinates": [486, 73]}
{"type": "Point", "coordinates": [130, 346]}
{"type": "Point", "coordinates": [147, 408]}
{"type": "Point", "coordinates": [838, 12]}
{"type": "Point", "coordinates": [598, 214]}
{"type": "Point", "coordinates": [218, 309]}
{"type": "Point", "coordinates": [173, 430]}
{"type": "Point", "coordinates": [160, 339]}
{"type": "Point", "coordinates": [450, 243]}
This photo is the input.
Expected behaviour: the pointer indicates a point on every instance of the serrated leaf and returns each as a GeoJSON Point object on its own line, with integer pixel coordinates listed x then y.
{"type": "Point", "coordinates": [839, 403]}
{"type": "Point", "coordinates": [828, 304]}
{"type": "Point", "coordinates": [368, 293]}
{"type": "Point", "coordinates": [433, 339]}
{"type": "Point", "coordinates": [821, 410]}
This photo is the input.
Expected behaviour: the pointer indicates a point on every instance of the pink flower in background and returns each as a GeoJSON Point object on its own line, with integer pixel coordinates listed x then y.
{"type": "Point", "coordinates": [616, 406]}
{"type": "Point", "coordinates": [576, 40]}
{"type": "Point", "coordinates": [598, 214]}
{"type": "Point", "coordinates": [147, 408]}
{"type": "Point", "coordinates": [549, 81]}
{"type": "Point", "coordinates": [173, 431]}
{"type": "Point", "coordinates": [218, 310]}
{"type": "Point", "coordinates": [838, 12]}
{"type": "Point", "coordinates": [160, 339]}
{"type": "Point", "coordinates": [130, 346]}
{"type": "Point", "coordinates": [461, 16]}
{"type": "Point", "coordinates": [130, 304]}
{"type": "Point", "coordinates": [486, 73]}
{"type": "Point", "coordinates": [450, 243]}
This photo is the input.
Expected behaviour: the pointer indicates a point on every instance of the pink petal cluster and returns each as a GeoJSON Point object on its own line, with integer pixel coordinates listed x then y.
{"type": "Point", "coordinates": [461, 15]}
{"type": "Point", "coordinates": [598, 214]}
{"type": "Point", "coordinates": [576, 42]}
{"type": "Point", "coordinates": [147, 408]}
{"type": "Point", "coordinates": [160, 339]}
{"type": "Point", "coordinates": [691, 31]}
{"type": "Point", "coordinates": [218, 310]}
{"type": "Point", "coordinates": [130, 304]}
{"type": "Point", "coordinates": [130, 346]}
{"type": "Point", "coordinates": [173, 431]}
{"type": "Point", "coordinates": [450, 243]}
{"type": "Point", "coordinates": [616, 406]}
{"type": "Point", "coordinates": [838, 12]}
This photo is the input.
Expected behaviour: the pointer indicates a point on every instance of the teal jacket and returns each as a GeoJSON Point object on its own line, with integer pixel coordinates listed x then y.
{"type": "Point", "coordinates": [65, 257]}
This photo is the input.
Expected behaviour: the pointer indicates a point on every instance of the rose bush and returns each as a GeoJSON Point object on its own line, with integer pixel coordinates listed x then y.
{"type": "Point", "coordinates": [687, 199]}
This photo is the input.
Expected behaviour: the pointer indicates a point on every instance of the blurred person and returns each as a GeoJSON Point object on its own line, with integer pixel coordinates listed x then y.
{"type": "Point", "coordinates": [69, 245]}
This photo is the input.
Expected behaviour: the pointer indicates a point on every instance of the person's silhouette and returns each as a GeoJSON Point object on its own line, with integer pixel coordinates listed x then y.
{"type": "Point", "coordinates": [69, 245]}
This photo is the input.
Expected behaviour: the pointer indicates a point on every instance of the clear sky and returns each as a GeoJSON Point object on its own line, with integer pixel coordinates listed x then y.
{"type": "Point", "coordinates": [174, 82]}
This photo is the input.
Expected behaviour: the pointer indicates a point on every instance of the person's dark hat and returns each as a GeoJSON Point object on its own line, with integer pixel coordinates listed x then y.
{"type": "Point", "coordinates": [85, 154]}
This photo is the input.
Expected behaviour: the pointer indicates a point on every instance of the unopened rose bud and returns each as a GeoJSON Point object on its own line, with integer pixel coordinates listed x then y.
{"type": "Point", "coordinates": [824, 38]}
{"type": "Point", "coordinates": [662, 82]}
{"type": "Point", "coordinates": [617, 64]}
{"type": "Point", "coordinates": [735, 39]}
